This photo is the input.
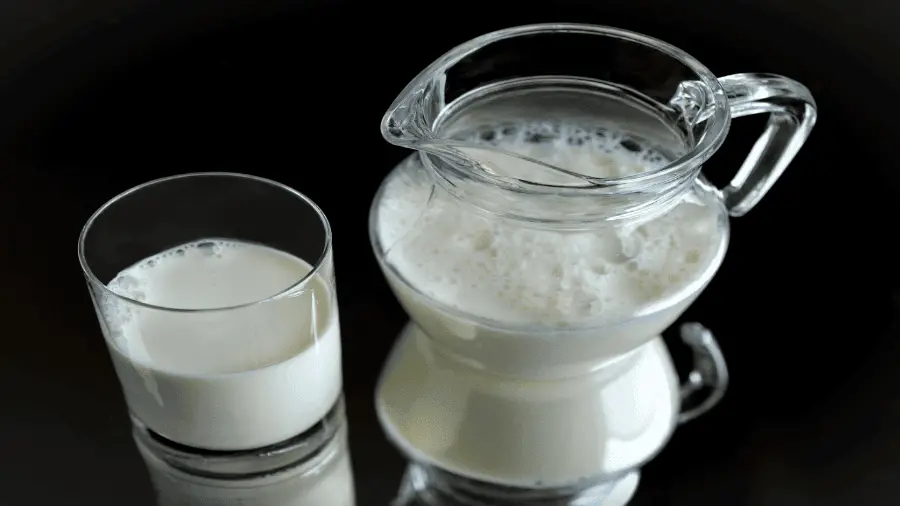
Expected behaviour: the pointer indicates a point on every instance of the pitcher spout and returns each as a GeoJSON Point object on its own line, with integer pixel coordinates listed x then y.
{"type": "Point", "coordinates": [408, 122]}
{"type": "Point", "coordinates": [414, 121]}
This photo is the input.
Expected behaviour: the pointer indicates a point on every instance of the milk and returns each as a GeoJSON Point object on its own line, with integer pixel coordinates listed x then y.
{"type": "Point", "coordinates": [326, 479]}
{"type": "Point", "coordinates": [532, 366]}
{"type": "Point", "coordinates": [527, 433]}
{"type": "Point", "coordinates": [226, 379]}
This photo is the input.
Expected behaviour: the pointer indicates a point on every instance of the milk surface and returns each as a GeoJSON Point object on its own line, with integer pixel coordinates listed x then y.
{"type": "Point", "coordinates": [510, 273]}
{"type": "Point", "coordinates": [228, 379]}
{"type": "Point", "coordinates": [522, 326]}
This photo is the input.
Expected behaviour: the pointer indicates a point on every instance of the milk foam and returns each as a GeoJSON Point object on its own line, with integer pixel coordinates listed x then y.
{"type": "Point", "coordinates": [230, 379]}
{"type": "Point", "coordinates": [501, 271]}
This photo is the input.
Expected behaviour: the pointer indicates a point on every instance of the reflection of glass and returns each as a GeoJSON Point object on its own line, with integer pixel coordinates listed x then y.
{"type": "Point", "coordinates": [553, 223]}
{"type": "Point", "coordinates": [313, 470]}
{"type": "Point", "coordinates": [215, 293]}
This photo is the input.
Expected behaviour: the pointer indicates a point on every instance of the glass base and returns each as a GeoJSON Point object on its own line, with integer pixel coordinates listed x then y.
{"type": "Point", "coordinates": [312, 468]}
{"type": "Point", "coordinates": [428, 486]}
{"type": "Point", "coordinates": [241, 464]}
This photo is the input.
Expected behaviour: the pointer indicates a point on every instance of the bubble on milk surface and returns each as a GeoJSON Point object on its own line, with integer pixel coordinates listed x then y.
{"type": "Point", "coordinates": [554, 141]}
{"type": "Point", "coordinates": [132, 284]}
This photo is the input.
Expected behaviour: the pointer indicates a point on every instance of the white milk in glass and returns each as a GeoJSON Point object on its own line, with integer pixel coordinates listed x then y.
{"type": "Point", "coordinates": [533, 356]}
{"type": "Point", "coordinates": [230, 379]}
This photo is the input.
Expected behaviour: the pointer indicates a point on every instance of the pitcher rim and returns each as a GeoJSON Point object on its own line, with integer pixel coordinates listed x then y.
{"type": "Point", "coordinates": [715, 126]}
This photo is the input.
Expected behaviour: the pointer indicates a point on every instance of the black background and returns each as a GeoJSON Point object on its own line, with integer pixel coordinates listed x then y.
{"type": "Point", "coordinates": [98, 96]}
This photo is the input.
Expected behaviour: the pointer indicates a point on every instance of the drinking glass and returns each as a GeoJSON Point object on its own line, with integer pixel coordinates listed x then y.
{"type": "Point", "coordinates": [216, 298]}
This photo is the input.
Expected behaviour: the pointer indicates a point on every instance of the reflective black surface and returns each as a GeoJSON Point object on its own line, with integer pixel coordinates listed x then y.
{"type": "Point", "coordinates": [98, 98]}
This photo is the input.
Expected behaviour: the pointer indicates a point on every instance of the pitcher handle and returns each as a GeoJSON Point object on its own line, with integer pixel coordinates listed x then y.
{"type": "Point", "coordinates": [792, 115]}
{"type": "Point", "coordinates": [709, 372]}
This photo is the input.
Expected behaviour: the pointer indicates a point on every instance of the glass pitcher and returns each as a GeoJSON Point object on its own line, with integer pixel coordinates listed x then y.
{"type": "Point", "coordinates": [551, 224]}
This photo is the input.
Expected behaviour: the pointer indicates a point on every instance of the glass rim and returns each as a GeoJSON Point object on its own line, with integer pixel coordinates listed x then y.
{"type": "Point", "coordinates": [290, 290]}
{"type": "Point", "coordinates": [715, 127]}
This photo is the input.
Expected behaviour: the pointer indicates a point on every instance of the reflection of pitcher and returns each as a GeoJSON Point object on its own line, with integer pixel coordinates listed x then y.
{"type": "Point", "coordinates": [553, 222]}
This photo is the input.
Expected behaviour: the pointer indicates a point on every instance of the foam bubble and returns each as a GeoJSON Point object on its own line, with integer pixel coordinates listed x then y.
{"type": "Point", "coordinates": [498, 270]}
{"type": "Point", "coordinates": [599, 152]}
